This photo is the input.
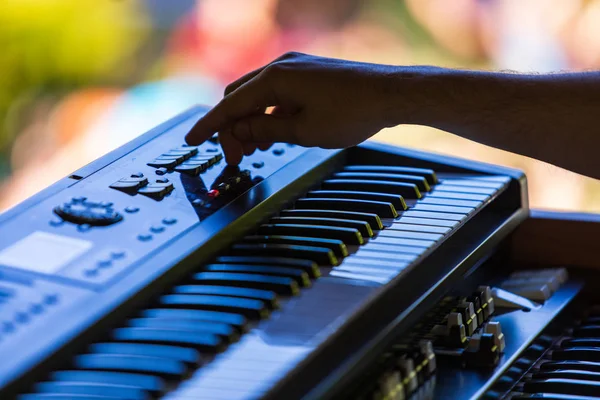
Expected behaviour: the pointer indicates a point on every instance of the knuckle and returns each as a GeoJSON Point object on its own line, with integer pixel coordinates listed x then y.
{"type": "Point", "coordinates": [230, 88]}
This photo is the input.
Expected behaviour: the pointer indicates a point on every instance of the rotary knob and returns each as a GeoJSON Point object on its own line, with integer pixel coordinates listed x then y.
{"type": "Point", "coordinates": [81, 211]}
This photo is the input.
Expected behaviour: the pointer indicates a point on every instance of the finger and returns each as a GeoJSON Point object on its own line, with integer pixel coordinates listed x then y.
{"type": "Point", "coordinates": [240, 81]}
{"type": "Point", "coordinates": [231, 147]}
{"type": "Point", "coordinates": [264, 146]}
{"type": "Point", "coordinates": [249, 148]}
{"type": "Point", "coordinates": [265, 129]}
{"type": "Point", "coordinates": [248, 99]}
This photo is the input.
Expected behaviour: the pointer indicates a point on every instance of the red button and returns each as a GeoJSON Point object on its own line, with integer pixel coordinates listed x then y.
{"type": "Point", "coordinates": [213, 193]}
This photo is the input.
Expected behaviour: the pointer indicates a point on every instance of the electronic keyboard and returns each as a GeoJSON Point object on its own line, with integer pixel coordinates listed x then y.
{"type": "Point", "coordinates": [373, 272]}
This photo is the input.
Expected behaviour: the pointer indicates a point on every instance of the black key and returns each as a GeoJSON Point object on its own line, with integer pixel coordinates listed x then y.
{"type": "Point", "coordinates": [348, 235]}
{"type": "Point", "coordinates": [406, 190]}
{"type": "Point", "coordinates": [383, 209]}
{"type": "Point", "coordinates": [428, 174]}
{"type": "Point", "coordinates": [278, 284]}
{"type": "Point", "coordinates": [395, 199]}
{"type": "Point", "coordinates": [254, 309]}
{"type": "Point", "coordinates": [162, 367]}
{"type": "Point", "coordinates": [183, 354]}
{"type": "Point", "coordinates": [567, 374]}
{"type": "Point", "coordinates": [420, 181]}
{"type": "Point", "coordinates": [239, 322]}
{"type": "Point", "coordinates": [563, 386]}
{"type": "Point", "coordinates": [269, 297]}
{"type": "Point", "coordinates": [363, 227]}
{"type": "Point", "coordinates": [320, 255]}
{"type": "Point", "coordinates": [580, 342]}
{"type": "Point", "coordinates": [198, 340]}
{"type": "Point", "coordinates": [149, 383]}
{"type": "Point", "coordinates": [571, 365]}
{"type": "Point", "coordinates": [90, 389]}
{"type": "Point", "coordinates": [337, 246]}
{"type": "Point", "coordinates": [301, 277]}
{"type": "Point", "coordinates": [579, 353]}
{"type": "Point", "coordinates": [224, 331]}
{"type": "Point", "coordinates": [310, 267]}
{"type": "Point", "coordinates": [372, 219]}
{"type": "Point", "coordinates": [587, 331]}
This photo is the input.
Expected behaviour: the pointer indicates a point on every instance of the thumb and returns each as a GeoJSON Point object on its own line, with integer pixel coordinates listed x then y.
{"type": "Point", "coordinates": [266, 128]}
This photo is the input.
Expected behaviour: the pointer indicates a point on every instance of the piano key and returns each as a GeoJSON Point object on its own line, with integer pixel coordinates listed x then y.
{"type": "Point", "coordinates": [310, 267]}
{"type": "Point", "coordinates": [224, 331]}
{"type": "Point", "coordinates": [410, 227]}
{"type": "Point", "coordinates": [337, 246]}
{"type": "Point", "coordinates": [55, 396]}
{"type": "Point", "coordinates": [396, 241]}
{"type": "Point", "coordinates": [358, 270]}
{"type": "Point", "coordinates": [406, 190]}
{"type": "Point", "coordinates": [320, 255]}
{"type": "Point", "coordinates": [379, 255]}
{"type": "Point", "coordinates": [443, 209]}
{"type": "Point", "coordinates": [396, 265]}
{"type": "Point", "coordinates": [563, 386]}
{"type": "Point", "coordinates": [347, 235]}
{"type": "Point", "coordinates": [474, 183]}
{"type": "Point", "coordinates": [434, 215]}
{"type": "Point", "coordinates": [395, 199]}
{"type": "Point", "coordinates": [183, 354]}
{"type": "Point", "coordinates": [161, 367]}
{"type": "Point", "coordinates": [91, 389]}
{"type": "Point", "coordinates": [428, 174]}
{"type": "Point", "coordinates": [420, 181]}
{"type": "Point", "coordinates": [383, 209]}
{"type": "Point", "coordinates": [587, 331]}
{"type": "Point", "coordinates": [449, 202]}
{"type": "Point", "coordinates": [580, 354]}
{"type": "Point", "coordinates": [409, 235]}
{"type": "Point", "coordinates": [301, 277]}
{"type": "Point", "coordinates": [239, 322]}
{"type": "Point", "coordinates": [491, 178]}
{"type": "Point", "coordinates": [424, 221]}
{"type": "Point", "coordinates": [361, 277]}
{"type": "Point", "coordinates": [149, 383]}
{"type": "Point", "coordinates": [278, 284]}
{"type": "Point", "coordinates": [199, 340]}
{"type": "Point", "coordinates": [465, 189]}
{"type": "Point", "coordinates": [390, 248]}
{"type": "Point", "coordinates": [567, 374]}
{"type": "Point", "coordinates": [372, 219]}
{"type": "Point", "coordinates": [253, 309]}
{"type": "Point", "coordinates": [269, 297]}
{"type": "Point", "coordinates": [363, 227]}
{"type": "Point", "coordinates": [457, 196]}
{"type": "Point", "coordinates": [580, 342]}
{"type": "Point", "coordinates": [570, 365]}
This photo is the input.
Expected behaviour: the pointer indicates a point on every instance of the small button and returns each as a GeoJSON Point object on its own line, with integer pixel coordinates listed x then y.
{"type": "Point", "coordinates": [198, 202]}
{"type": "Point", "coordinates": [290, 145]}
{"type": "Point", "coordinates": [104, 263]}
{"type": "Point", "coordinates": [162, 180]}
{"type": "Point", "coordinates": [245, 173]}
{"type": "Point", "coordinates": [36, 308]}
{"type": "Point", "coordinates": [21, 317]}
{"type": "Point", "coordinates": [144, 237]}
{"type": "Point", "coordinates": [161, 171]}
{"type": "Point", "coordinates": [51, 299]}
{"type": "Point", "coordinates": [79, 199]}
{"type": "Point", "coordinates": [117, 254]}
{"type": "Point", "coordinates": [84, 227]}
{"type": "Point", "coordinates": [8, 327]}
{"type": "Point", "coordinates": [132, 209]}
{"type": "Point", "coordinates": [56, 222]}
{"type": "Point", "coordinates": [278, 152]}
{"type": "Point", "coordinates": [169, 221]}
{"type": "Point", "coordinates": [212, 150]}
{"type": "Point", "coordinates": [223, 187]}
{"type": "Point", "coordinates": [157, 229]}
{"type": "Point", "coordinates": [137, 175]}
{"type": "Point", "coordinates": [106, 204]}
{"type": "Point", "coordinates": [213, 193]}
{"type": "Point", "coordinates": [91, 272]}
{"type": "Point", "coordinates": [258, 164]}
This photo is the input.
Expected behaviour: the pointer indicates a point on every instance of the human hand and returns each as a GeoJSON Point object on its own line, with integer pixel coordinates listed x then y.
{"type": "Point", "coordinates": [315, 102]}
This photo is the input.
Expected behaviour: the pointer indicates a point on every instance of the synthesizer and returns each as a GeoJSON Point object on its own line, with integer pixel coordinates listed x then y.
{"type": "Point", "coordinates": [373, 272]}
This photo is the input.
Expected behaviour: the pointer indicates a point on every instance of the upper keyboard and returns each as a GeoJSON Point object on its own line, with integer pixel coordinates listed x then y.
{"type": "Point", "coordinates": [225, 279]}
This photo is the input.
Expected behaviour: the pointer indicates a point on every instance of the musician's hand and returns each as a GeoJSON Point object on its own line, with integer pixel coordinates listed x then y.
{"type": "Point", "coordinates": [317, 102]}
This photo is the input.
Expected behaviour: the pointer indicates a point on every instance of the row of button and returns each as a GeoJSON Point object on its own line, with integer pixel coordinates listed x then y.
{"type": "Point", "coordinates": [154, 229]}
{"type": "Point", "coordinates": [138, 183]}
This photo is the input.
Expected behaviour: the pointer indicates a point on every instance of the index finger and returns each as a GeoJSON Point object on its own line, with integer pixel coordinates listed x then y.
{"type": "Point", "coordinates": [246, 100]}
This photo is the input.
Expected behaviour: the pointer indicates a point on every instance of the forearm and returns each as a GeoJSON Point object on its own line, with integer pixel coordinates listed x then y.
{"type": "Point", "coordinates": [554, 118]}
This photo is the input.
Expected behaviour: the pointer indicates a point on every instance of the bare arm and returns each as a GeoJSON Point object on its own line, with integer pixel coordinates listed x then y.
{"type": "Point", "coordinates": [334, 103]}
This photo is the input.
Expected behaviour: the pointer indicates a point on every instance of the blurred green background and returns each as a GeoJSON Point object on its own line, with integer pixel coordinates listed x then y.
{"type": "Point", "coordinates": [79, 78]}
